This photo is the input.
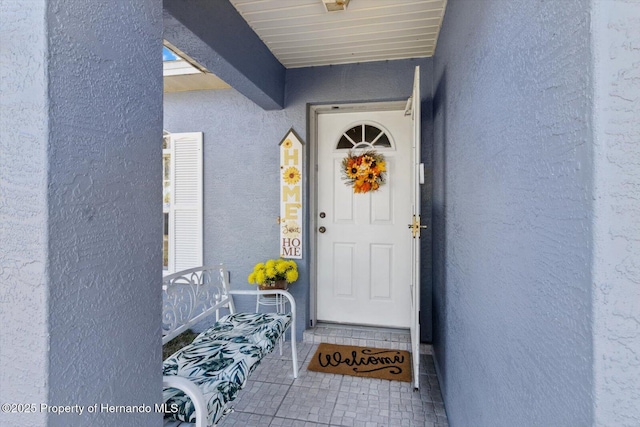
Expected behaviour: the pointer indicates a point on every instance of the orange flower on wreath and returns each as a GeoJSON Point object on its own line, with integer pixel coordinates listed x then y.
{"type": "Point", "coordinates": [365, 172]}
{"type": "Point", "coordinates": [361, 186]}
{"type": "Point", "coordinates": [380, 167]}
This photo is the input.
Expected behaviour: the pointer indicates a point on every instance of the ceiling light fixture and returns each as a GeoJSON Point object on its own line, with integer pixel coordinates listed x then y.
{"type": "Point", "coordinates": [335, 5]}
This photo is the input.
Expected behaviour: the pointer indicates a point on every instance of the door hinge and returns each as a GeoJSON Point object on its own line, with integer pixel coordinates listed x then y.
{"type": "Point", "coordinates": [415, 226]}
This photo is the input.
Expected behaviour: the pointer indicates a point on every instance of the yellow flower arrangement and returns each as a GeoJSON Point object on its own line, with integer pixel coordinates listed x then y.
{"type": "Point", "coordinates": [269, 272]}
{"type": "Point", "coordinates": [364, 173]}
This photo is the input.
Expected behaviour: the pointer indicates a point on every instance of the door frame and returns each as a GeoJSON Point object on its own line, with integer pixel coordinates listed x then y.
{"type": "Point", "coordinates": [313, 111]}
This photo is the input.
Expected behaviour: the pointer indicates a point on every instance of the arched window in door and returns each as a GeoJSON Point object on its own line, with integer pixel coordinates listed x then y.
{"type": "Point", "coordinates": [364, 135]}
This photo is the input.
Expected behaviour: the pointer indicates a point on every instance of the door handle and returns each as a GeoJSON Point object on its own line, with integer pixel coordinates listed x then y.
{"type": "Point", "coordinates": [322, 229]}
{"type": "Point", "coordinates": [415, 226]}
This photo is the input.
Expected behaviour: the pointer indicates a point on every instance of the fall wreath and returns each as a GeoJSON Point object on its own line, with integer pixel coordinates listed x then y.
{"type": "Point", "coordinates": [365, 172]}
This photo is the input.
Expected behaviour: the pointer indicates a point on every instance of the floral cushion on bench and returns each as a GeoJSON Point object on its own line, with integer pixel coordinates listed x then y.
{"type": "Point", "coordinates": [219, 368]}
{"type": "Point", "coordinates": [216, 393]}
{"type": "Point", "coordinates": [261, 329]}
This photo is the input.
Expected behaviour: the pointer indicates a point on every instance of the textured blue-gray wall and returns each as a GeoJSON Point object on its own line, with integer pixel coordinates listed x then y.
{"type": "Point", "coordinates": [512, 213]}
{"type": "Point", "coordinates": [241, 177]}
{"type": "Point", "coordinates": [80, 252]}
{"type": "Point", "coordinates": [616, 247]}
{"type": "Point", "coordinates": [105, 131]}
{"type": "Point", "coordinates": [241, 180]}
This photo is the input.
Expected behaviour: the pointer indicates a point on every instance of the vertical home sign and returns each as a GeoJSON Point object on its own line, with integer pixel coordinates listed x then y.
{"type": "Point", "coordinates": [291, 196]}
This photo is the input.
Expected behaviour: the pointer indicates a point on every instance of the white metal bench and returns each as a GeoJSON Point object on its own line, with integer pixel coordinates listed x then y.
{"type": "Point", "coordinates": [201, 379]}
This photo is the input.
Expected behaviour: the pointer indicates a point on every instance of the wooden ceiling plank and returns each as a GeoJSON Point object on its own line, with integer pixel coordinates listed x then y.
{"type": "Point", "coordinates": [269, 4]}
{"type": "Point", "coordinates": [317, 11]}
{"type": "Point", "coordinates": [274, 42]}
{"type": "Point", "coordinates": [297, 20]}
{"type": "Point", "coordinates": [305, 25]}
{"type": "Point", "coordinates": [347, 44]}
{"type": "Point", "coordinates": [359, 49]}
{"type": "Point", "coordinates": [260, 11]}
{"type": "Point", "coordinates": [426, 25]}
{"type": "Point", "coordinates": [321, 63]}
{"type": "Point", "coordinates": [358, 6]}
{"type": "Point", "coordinates": [363, 54]}
{"type": "Point", "coordinates": [301, 33]}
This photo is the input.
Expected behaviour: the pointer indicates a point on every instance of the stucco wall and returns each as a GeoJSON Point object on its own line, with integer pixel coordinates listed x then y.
{"type": "Point", "coordinates": [512, 213]}
{"type": "Point", "coordinates": [23, 210]}
{"type": "Point", "coordinates": [80, 249]}
{"type": "Point", "coordinates": [616, 247]}
{"type": "Point", "coordinates": [105, 138]}
{"type": "Point", "coordinates": [240, 178]}
{"type": "Point", "coordinates": [240, 157]}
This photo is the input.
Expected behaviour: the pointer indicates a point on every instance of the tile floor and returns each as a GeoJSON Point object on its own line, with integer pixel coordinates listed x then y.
{"type": "Point", "coordinates": [398, 339]}
{"type": "Point", "coordinates": [273, 398]}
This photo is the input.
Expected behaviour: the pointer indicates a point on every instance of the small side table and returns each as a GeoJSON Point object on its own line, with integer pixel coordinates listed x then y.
{"type": "Point", "coordinates": [277, 301]}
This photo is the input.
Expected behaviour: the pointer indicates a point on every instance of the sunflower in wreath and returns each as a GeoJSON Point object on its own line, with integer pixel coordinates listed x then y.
{"type": "Point", "coordinates": [365, 172]}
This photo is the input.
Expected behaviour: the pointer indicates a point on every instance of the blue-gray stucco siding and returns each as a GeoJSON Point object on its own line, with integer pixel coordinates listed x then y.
{"type": "Point", "coordinates": [512, 220]}
{"type": "Point", "coordinates": [535, 200]}
{"type": "Point", "coordinates": [241, 176]}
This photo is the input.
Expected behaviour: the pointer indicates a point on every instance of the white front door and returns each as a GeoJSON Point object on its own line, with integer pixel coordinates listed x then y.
{"type": "Point", "coordinates": [418, 178]}
{"type": "Point", "coordinates": [364, 247]}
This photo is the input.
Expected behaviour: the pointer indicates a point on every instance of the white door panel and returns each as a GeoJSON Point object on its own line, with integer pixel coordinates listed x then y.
{"type": "Point", "coordinates": [364, 256]}
{"type": "Point", "coordinates": [415, 248]}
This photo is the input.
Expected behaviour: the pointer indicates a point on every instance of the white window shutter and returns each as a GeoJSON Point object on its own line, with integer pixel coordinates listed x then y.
{"type": "Point", "coordinates": [186, 244]}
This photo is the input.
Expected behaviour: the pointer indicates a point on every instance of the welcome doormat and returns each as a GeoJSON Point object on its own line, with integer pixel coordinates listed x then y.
{"type": "Point", "coordinates": [368, 362]}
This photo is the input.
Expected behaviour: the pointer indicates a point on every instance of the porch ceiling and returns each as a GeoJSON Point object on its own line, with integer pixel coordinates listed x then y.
{"type": "Point", "coordinates": [301, 33]}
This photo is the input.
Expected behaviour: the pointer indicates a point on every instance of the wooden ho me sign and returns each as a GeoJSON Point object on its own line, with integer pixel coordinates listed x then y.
{"type": "Point", "coordinates": [291, 196]}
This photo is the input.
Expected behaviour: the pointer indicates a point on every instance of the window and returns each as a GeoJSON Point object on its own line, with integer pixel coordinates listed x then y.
{"type": "Point", "coordinates": [363, 136]}
{"type": "Point", "coordinates": [182, 201]}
